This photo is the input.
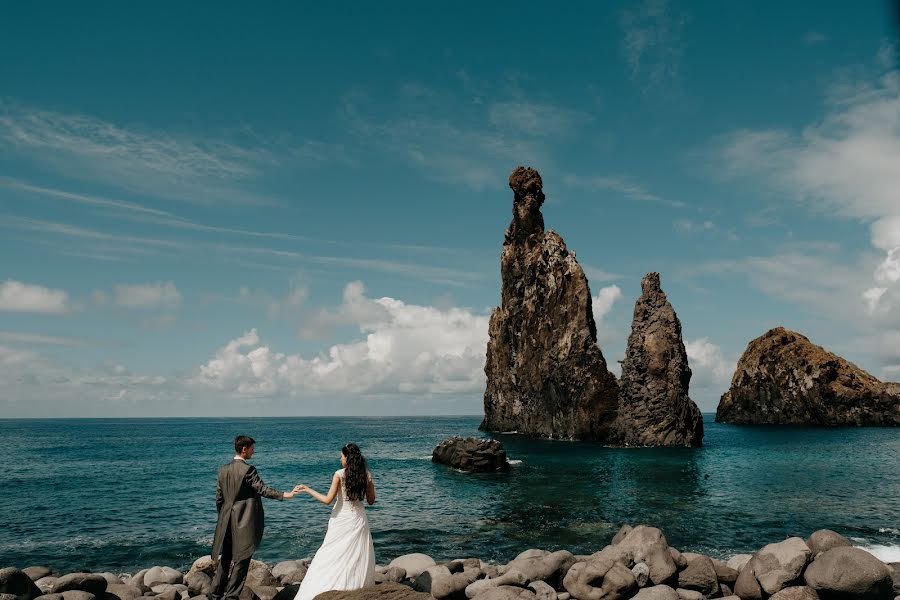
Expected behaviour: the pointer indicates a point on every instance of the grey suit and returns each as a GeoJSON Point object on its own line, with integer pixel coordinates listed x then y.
{"type": "Point", "coordinates": [239, 529]}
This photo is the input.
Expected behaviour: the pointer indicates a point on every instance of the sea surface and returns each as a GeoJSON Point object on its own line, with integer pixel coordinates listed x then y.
{"type": "Point", "coordinates": [123, 494]}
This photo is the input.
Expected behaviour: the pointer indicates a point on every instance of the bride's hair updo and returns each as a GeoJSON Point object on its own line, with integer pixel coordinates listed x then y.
{"type": "Point", "coordinates": [355, 475]}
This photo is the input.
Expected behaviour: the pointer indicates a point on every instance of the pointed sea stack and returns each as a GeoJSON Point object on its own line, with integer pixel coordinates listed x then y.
{"type": "Point", "coordinates": [654, 407]}
{"type": "Point", "coordinates": [545, 373]}
{"type": "Point", "coordinates": [784, 379]}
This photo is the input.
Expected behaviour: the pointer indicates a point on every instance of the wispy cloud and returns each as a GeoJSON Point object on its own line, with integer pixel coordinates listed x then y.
{"type": "Point", "coordinates": [653, 43]}
{"type": "Point", "coordinates": [812, 38]}
{"type": "Point", "coordinates": [621, 185]}
{"type": "Point", "coordinates": [157, 294]}
{"type": "Point", "coordinates": [142, 160]}
{"type": "Point", "coordinates": [27, 338]}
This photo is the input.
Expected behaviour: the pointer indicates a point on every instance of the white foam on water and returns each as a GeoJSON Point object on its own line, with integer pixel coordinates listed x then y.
{"type": "Point", "coordinates": [889, 530]}
{"type": "Point", "coordinates": [883, 553]}
{"type": "Point", "coordinates": [515, 462]}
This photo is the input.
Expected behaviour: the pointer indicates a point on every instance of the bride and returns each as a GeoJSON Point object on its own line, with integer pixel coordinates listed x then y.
{"type": "Point", "coordinates": [346, 559]}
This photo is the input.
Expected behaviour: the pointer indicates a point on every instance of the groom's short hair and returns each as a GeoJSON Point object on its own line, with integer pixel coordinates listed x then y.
{"type": "Point", "coordinates": [243, 441]}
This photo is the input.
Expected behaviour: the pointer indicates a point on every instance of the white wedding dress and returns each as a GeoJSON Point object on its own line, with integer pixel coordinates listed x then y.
{"type": "Point", "coordinates": [346, 559]}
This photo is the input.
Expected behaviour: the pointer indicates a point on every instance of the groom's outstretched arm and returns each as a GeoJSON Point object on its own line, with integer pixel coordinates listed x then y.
{"type": "Point", "coordinates": [253, 480]}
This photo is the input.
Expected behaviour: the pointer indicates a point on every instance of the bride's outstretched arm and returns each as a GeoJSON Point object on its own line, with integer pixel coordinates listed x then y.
{"type": "Point", "coordinates": [324, 499]}
{"type": "Point", "coordinates": [370, 491]}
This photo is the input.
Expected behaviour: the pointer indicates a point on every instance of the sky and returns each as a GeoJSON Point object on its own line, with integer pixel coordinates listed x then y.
{"type": "Point", "coordinates": [217, 209]}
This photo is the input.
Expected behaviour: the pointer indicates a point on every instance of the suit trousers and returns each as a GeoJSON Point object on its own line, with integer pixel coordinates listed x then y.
{"type": "Point", "coordinates": [228, 582]}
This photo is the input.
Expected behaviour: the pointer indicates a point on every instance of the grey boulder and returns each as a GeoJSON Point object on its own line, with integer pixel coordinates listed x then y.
{"type": "Point", "coordinates": [17, 583]}
{"type": "Point", "coordinates": [796, 592]}
{"type": "Point", "coordinates": [641, 574]}
{"type": "Point", "coordinates": [600, 579]}
{"type": "Point", "coordinates": [413, 564]}
{"type": "Point", "coordinates": [157, 575]}
{"type": "Point", "coordinates": [543, 590]}
{"type": "Point", "coordinates": [45, 584]}
{"type": "Point", "coordinates": [507, 592]}
{"type": "Point", "coordinates": [824, 540]}
{"type": "Point", "coordinates": [657, 592]}
{"type": "Point", "coordinates": [198, 583]}
{"type": "Point", "coordinates": [124, 591]}
{"type": "Point", "coordinates": [848, 573]}
{"type": "Point", "coordinates": [543, 565]}
{"type": "Point", "coordinates": [36, 573]}
{"type": "Point", "coordinates": [512, 577]}
{"type": "Point", "coordinates": [441, 583]}
{"type": "Point", "coordinates": [648, 545]}
{"type": "Point", "coordinates": [700, 575]}
{"type": "Point", "coordinates": [84, 582]}
{"type": "Point", "coordinates": [289, 571]}
{"type": "Point", "coordinates": [778, 565]}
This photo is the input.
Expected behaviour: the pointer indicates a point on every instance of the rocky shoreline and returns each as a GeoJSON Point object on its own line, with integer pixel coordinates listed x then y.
{"type": "Point", "coordinates": [638, 563]}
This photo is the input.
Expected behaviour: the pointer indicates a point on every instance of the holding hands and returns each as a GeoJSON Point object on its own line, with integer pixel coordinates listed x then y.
{"type": "Point", "coordinates": [299, 489]}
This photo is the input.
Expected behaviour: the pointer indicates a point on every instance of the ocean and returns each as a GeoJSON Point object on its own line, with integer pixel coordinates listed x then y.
{"type": "Point", "coordinates": [123, 494]}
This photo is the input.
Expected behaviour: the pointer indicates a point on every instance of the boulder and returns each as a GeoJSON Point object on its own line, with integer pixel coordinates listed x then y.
{"type": "Point", "coordinates": [616, 553]}
{"type": "Point", "coordinates": [289, 571]}
{"type": "Point", "coordinates": [512, 577]}
{"type": "Point", "coordinates": [441, 583]}
{"type": "Point", "coordinates": [738, 561]}
{"type": "Point", "coordinates": [473, 455]}
{"type": "Point", "coordinates": [895, 574]}
{"type": "Point", "coordinates": [259, 575]}
{"type": "Point", "coordinates": [543, 565]}
{"type": "Point", "coordinates": [394, 574]}
{"type": "Point", "coordinates": [784, 379]}
{"type": "Point", "coordinates": [684, 594]}
{"type": "Point", "coordinates": [825, 539]}
{"type": "Point", "coordinates": [85, 582]}
{"type": "Point", "coordinates": [620, 535]}
{"type": "Point", "coordinates": [123, 591]}
{"type": "Point", "coordinates": [846, 572]}
{"type": "Point", "coordinates": [70, 595]}
{"type": "Point", "coordinates": [779, 565]}
{"type": "Point", "coordinates": [678, 558]}
{"type": "Point", "coordinates": [111, 578]}
{"type": "Point", "coordinates": [796, 592]}
{"type": "Point", "coordinates": [648, 545]}
{"type": "Point", "coordinates": [205, 564]}
{"type": "Point", "coordinates": [45, 584]}
{"type": "Point", "coordinates": [700, 576]}
{"type": "Point", "coordinates": [17, 583]}
{"type": "Point", "coordinates": [654, 406]}
{"type": "Point", "coordinates": [546, 375]}
{"type": "Point", "coordinates": [288, 592]}
{"type": "Point", "coordinates": [600, 579]}
{"type": "Point", "coordinates": [170, 593]}
{"type": "Point", "coordinates": [262, 592]}
{"type": "Point", "coordinates": [724, 573]}
{"type": "Point", "coordinates": [138, 580]}
{"type": "Point", "coordinates": [657, 592]}
{"type": "Point", "coordinates": [413, 564]}
{"type": "Point", "coordinates": [543, 590]}
{"type": "Point", "coordinates": [198, 583]}
{"type": "Point", "coordinates": [747, 586]}
{"type": "Point", "coordinates": [36, 573]}
{"type": "Point", "coordinates": [507, 592]}
{"type": "Point", "coordinates": [157, 575]}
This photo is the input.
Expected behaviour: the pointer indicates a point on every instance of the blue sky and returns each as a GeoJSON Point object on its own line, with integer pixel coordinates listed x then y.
{"type": "Point", "coordinates": [222, 209]}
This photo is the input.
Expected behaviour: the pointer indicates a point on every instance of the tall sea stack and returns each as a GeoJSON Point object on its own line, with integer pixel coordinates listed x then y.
{"type": "Point", "coordinates": [654, 407]}
{"type": "Point", "coordinates": [784, 379]}
{"type": "Point", "coordinates": [546, 376]}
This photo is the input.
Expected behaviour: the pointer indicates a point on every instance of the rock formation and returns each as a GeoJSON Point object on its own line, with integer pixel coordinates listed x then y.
{"type": "Point", "coordinates": [546, 376]}
{"type": "Point", "coordinates": [784, 379]}
{"type": "Point", "coordinates": [654, 406]}
{"type": "Point", "coordinates": [471, 455]}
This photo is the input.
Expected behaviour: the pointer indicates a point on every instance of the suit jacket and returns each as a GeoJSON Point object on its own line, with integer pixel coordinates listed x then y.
{"type": "Point", "coordinates": [239, 493]}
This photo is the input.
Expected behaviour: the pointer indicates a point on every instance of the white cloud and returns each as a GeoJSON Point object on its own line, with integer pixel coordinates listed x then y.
{"type": "Point", "coordinates": [872, 296]}
{"type": "Point", "coordinates": [711, 372]}
{"type": "Point", "coordinates": [603, 302]}
{"type": "Point", "coordinates": [811, 38]}
{"type": "Point", "coordinates": [691, 226]}
{"type": "Point", "coordinates": [22, 297]}
{"type": "Point", "coordinates": [620, 185]}
{"type": "Point", "coordinates": [845, 165]}
{"type": "Point", "coordinates": [405, 349]}
{"type": "Point", "coordinates": [149, 295]}
{"type": "Point", "coordinates": [598, 275]}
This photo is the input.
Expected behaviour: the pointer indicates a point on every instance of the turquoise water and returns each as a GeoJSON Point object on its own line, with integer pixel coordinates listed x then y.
{"type": "Point", "coordinates": [124, 494]}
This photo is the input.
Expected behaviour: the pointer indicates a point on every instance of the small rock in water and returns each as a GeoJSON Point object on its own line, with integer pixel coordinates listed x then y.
{"type": "Point", "coordinates": [472, 455]}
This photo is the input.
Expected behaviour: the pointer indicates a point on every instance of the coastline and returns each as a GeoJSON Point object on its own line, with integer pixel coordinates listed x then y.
{"type": "Point", "coordinates": [637, 562]}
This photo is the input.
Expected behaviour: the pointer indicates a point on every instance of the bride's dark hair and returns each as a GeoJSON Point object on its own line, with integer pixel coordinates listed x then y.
{"type": "Point", "coordinates": [355, 475]}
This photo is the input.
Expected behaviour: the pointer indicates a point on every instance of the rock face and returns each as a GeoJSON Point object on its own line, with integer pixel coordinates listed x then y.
{"type": "Point", "coordinates": [471, 454]}
{"type": "Point", "coordinates": [546, 376]}
{"type": "Point", "coordinates": [654, 406]}
{"type": "Point", "coordinates": [784, 379]}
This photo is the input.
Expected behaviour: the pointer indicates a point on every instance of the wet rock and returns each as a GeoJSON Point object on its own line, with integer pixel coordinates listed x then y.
{"type": "Point", "coordinates": [413, 564]}
{"type": "Point", "coordinates": [473, 455]}
{"type": "Point", "coordinates": [17, 583]}
{"type": "Point", "coordinates": [600, 579]}
{"type": "Point", "coordinates": [546, 375]}
{"type": "Point", "coordinates": [648, 545]}
{"type": "Point", "coordinates": [654, 406]}
{"type": "Point", "coordinates": [784, 379]}
{"type": "Point", "coordinates": [849, 573]}
{"type": "Point", "coordinates": [825, 539]}
{"type": "Point", "coordinates": [85, 582]}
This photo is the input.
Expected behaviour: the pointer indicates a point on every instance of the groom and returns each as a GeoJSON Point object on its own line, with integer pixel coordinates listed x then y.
{"type": "Point", "coordinates": [239, 530]}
